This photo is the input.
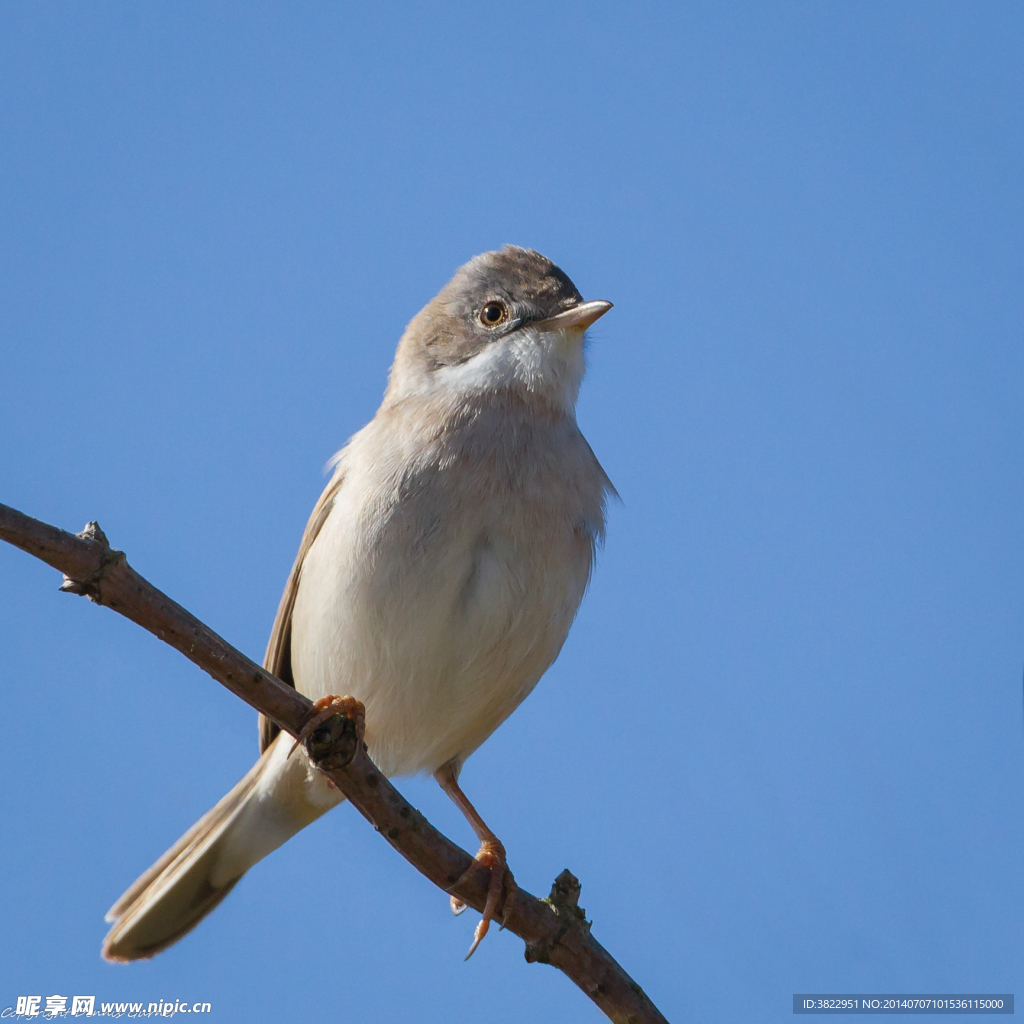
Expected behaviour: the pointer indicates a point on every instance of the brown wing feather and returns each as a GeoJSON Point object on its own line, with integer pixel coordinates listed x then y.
{"type": "Point", "coordinates": [278, 658]}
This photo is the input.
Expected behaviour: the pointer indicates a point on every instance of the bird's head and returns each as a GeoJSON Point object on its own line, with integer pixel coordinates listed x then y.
{"type": "Point", "coordinates": [507, 320]}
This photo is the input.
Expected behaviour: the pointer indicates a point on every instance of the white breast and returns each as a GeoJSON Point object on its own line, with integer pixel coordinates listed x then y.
{"type": "Point", "coordinates": [443, 584]}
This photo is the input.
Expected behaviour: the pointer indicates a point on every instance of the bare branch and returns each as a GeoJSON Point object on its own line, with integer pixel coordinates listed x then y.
{"type": "Point", "coordinates": [555, 930]}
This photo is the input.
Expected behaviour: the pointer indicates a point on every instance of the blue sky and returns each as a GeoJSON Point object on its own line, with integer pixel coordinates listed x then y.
{"type": "Point", "coordinates": [782, 747]}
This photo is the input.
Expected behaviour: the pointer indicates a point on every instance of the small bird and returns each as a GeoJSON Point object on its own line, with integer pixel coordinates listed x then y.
{"type": "Point", "coordinates": [436, 581]}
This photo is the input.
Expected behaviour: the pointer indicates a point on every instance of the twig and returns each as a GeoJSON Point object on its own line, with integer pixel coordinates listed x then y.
{"type": "Point", "coordinates": [555, 930]}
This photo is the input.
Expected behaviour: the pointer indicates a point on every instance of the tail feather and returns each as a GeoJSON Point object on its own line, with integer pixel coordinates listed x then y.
{"type": "Point", "coordinates": [176, 893]}
{"type": "Point", "coordinates": [274, 800]}
{"type": "Point", "coordinates": [204, 826]}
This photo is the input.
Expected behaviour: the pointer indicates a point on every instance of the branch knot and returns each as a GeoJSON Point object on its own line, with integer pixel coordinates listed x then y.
{"type": "Point", "coordinates": [333, 732]}
{"type": "Point", "coordinates": [109, 556]}
{"type": "Point", "coordinates": [564, 901]}
{"type": "Point", "coordinates": [333, 744]}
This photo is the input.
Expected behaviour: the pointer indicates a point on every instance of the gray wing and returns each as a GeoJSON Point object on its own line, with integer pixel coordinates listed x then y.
{"type": "Point", "coordinates": [278, 658]}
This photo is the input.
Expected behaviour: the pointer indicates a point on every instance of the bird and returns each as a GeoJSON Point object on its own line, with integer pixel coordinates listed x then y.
{"type": "Point", "coordinates": [436, 580]}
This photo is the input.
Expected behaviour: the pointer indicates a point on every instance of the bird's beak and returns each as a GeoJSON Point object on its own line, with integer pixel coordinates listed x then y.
{"type": "Point", "coordinates": [579, 317]}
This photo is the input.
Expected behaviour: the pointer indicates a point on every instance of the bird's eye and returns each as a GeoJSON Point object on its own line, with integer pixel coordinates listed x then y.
{"type": "Point", "coordinates": [493, 314]}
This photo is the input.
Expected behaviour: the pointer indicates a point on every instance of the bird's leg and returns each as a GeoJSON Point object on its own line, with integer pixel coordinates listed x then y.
{"type": "Point", "coordinates": [491, 854]}
{"type": "Point", "coordinates": [330, 705]}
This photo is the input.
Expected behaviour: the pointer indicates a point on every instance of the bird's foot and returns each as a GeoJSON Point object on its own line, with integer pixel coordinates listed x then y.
{"type": "Point", "coordinates": [330, 705]}
{"type": "Point", "coordinates": [491, 855]}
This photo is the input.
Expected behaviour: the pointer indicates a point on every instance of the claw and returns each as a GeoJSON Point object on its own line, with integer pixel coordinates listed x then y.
{"type": "Point", "coordinates": [491, 855]}
{"type": "Point", "coordinates": [324, 708]}
{"type": "Point", "coordinates": [458, 907]}
{"type": "Point", "coordinates": [478, 934]}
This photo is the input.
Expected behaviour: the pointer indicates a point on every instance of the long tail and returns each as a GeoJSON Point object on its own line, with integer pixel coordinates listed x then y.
{"type": "Point", "coordinates": [276, 798]}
